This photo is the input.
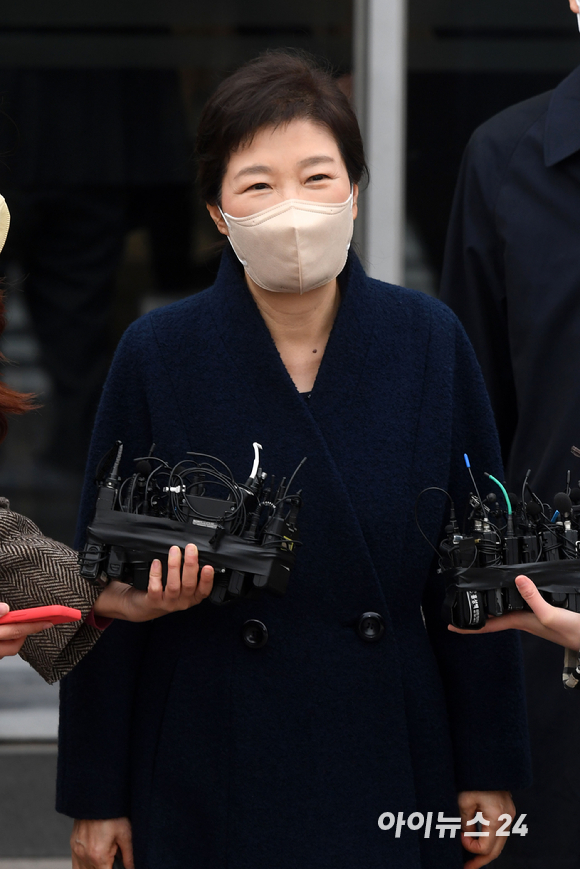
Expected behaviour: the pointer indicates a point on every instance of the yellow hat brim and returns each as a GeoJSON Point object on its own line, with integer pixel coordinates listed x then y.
{"type": "Point", "coordinates": [4, 221]}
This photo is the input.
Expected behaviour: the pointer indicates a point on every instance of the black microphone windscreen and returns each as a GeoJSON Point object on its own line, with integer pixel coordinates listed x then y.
{"type": "Point", "coordinates": [143, 468]}
{"type": "Point", "coordinates": [575, 495]}
{"type": "Point", "coordinates": [562, 503]}
{"type": "Point", "coordinates": [514, 500]}
{"type": "Point", "coordinates": [533, 509]}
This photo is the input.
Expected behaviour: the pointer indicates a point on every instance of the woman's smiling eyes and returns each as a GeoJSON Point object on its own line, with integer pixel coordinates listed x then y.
{"type": "Point", "coordinates": [264, 185]}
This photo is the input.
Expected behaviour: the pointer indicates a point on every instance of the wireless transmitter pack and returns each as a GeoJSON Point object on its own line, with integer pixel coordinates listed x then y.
{"type": "Point", "coordinates": [247, 533]}
{"type": "Point", "coordinates": [504, 538]}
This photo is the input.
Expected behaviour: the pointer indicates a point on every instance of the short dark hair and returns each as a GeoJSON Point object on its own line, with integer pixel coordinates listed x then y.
{"type": "Point", "coordinates": [271, 90]}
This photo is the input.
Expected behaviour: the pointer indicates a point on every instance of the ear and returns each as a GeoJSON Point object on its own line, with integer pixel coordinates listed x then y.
{"type": "Point", "coordinates": [217, 218]}
{"type": "Point", "coordinates": [354, 201]}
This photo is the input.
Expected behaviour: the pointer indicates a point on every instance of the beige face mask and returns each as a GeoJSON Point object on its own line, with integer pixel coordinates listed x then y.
{"type": "Point", "coordinates": [294, 246]}
{"type": "Point", "coordinates": [4, 221]}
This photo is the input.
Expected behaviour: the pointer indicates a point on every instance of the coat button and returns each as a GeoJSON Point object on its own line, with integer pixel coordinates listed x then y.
{"type": "Point", "coordinates": [254, 634]}
{"type": "Point", "coordinates": [370, 627]}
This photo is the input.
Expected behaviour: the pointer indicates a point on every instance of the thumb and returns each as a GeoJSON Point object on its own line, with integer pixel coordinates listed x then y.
{"type": "Point", "coordinates": [532, 597]}
{"type": "Point", "coordinates": [126, 855]}
{"type": "Point", "coordinates": [4, 608]}
{"type": "Point", "coordinates": [125, 845]}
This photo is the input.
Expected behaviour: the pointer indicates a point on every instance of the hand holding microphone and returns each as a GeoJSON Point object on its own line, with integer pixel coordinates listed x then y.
{"type": "Point", "coordinates": [187, 585]}
{"type": "Point", "coordinates": [552, 623]}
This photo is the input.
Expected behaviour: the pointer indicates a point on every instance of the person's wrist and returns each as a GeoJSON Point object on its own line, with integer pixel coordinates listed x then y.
{"type": "Point", "coordinates": [576, 633]}
{"type": "Point", "coordinates": [121, 601]}
{"type": "Point", "coordinates": [112, 602]}
{"type": "Point", "coordinates": [101, 606]}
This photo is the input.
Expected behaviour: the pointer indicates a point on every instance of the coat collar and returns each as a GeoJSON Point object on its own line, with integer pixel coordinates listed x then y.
{"type": "Point", "coordinates": [281, 417]}
{"type": "Point", "coordinates": [248, 340]}
{"type": "Point", "coordinates": [562, 132]}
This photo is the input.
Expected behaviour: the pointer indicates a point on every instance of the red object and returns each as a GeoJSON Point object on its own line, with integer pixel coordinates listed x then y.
{"type": "Point", "coordinates": [10, 400]}
{"type": "Point", "coordinates": [98, 622]}
{"type": "Point", "coordinates": [58, 615]}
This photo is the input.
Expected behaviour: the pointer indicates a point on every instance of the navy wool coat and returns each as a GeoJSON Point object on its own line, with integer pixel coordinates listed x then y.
{"type": "Point", "coordinates": [285, 756]}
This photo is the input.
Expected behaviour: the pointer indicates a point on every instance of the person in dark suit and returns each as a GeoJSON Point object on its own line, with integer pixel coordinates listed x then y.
{"type": "Point", "coordinates": [277, 732]}
{"type": "Point", "coordinates": [512, 275]}
{"type": "Point", "coordinates": [78, 146]}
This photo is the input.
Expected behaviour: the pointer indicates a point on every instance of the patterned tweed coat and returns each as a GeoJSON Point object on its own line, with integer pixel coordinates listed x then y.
{"type": "Point", "coordinates": [38, 571]}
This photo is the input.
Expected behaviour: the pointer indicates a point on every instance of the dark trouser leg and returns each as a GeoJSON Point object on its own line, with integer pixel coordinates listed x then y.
{"type": "Point", "coordinates": [167, 212]}
{"type": "Point", "coordinates": [72, 247]}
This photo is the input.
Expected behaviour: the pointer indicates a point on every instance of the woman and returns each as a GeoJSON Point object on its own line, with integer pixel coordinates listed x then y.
{"type": "Point", "coordinates": [213, 751]}
{"type": "Point", "coordinates": [36, 571]}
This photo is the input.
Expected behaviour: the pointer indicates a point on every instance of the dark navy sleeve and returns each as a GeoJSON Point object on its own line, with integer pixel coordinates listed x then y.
{"type": "Point", "coordinates": [482, 675]}
{"type": "Point", "coordinates": [473, 279]}
{"type": "Point", "coordinates": [97, 697]}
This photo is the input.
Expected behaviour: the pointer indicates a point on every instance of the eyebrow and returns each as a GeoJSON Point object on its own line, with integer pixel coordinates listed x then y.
{"type": "Point", "coordinates": [259, 169]}
{"type": "Point", "coordinates": [253, 170]}
{"type": "Point", "coordinates": [314, 161]}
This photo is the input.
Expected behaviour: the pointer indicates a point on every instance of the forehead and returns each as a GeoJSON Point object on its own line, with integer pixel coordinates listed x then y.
{"type": "Point", "coordinates": [285, 146]}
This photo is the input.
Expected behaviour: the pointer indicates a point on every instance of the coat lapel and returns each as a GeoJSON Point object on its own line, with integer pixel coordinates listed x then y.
{"type": "Point", "coordinates": [245, 336]}
{"type": "Point", "coordinates": [247, 341]}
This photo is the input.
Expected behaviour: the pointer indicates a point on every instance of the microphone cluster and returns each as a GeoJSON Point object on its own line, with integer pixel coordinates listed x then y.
{"type": "Point", "coordinates": [247, 533]}
{"type": "Point", "coordinates": [503, 538]}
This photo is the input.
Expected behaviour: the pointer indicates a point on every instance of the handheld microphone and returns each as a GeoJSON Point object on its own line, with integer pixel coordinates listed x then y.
{"type": "Point", "coordinates": [250, 540]}
{"type": "Point", "coordinates": [498, 543]}
{"type": "Point", "coordinates": [533, 510]}
{"type": "Point", "coordinates": [563, 504]}
{"type": "Point", "coordinates": [143, 468]}
{"type": "Point", "coordinates": [575, 495]}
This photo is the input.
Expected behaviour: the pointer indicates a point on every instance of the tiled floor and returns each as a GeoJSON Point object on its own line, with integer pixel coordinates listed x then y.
{"type": "Point", "coordinates": [35, 864]}
{"type": "Point", "coordinates": [30, 827]}
{"type": "Point", "coordinates": [28, 706]}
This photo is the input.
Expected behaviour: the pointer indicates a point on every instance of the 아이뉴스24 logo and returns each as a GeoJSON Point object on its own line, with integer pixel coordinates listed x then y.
{"type": "Point", "coordinates": [416, 821]}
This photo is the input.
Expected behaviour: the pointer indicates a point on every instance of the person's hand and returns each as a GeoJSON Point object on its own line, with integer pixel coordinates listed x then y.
{"type": "Point", "coordinates": [183, 590]}
{"type": "Point", "coordinates": [574, 6]}
{"type": "Point", "coordinates": [550, 622]}
{"type": "Point", "coordinates": [94, 844]}
{"type": "Point", "coordinates": [491, 804]}
{"type": "Point", "coordinates": [12, 637]}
